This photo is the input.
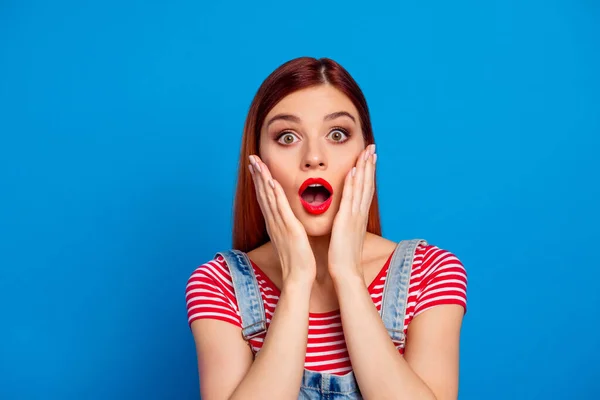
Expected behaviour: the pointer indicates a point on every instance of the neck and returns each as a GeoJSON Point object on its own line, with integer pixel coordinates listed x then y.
{"type": "Point", "coordinates": [320, 248]}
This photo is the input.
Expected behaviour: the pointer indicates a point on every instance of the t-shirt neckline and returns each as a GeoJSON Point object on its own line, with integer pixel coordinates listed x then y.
{"type": "Point", "coordinates": [370, 288]}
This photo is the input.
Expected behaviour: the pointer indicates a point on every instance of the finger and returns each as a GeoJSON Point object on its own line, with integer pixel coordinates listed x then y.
{"type": "Point", "coordinates": [369, 183]}
{"type": "Point", "coordinates": [253, 172]}
{"type": "Point", "coordinates": [346, 201]}
{"type": "Point", "coordinates": [283, 206]}
{"type": "Point", "coordinates": [260, 189]}
{"type": "Point", "coordinates": [359, 179]}
{"type": "Point", "coordinates": [268, 187]}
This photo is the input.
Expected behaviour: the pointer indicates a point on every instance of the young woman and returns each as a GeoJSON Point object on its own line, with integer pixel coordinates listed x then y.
{"type": "Point", "coordinates": [313, 302]}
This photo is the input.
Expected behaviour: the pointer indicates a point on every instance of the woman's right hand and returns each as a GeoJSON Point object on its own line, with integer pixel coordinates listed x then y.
{"type": "Point", "coordinates": [285, 230]}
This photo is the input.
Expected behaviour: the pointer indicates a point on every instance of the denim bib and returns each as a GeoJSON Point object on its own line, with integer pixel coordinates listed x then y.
{"type": "Point", "coordinates": [321, 385]}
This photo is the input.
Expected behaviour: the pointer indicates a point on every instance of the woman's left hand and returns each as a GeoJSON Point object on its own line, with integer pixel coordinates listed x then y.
{"type": "Point", "coordinates": [350, 223]}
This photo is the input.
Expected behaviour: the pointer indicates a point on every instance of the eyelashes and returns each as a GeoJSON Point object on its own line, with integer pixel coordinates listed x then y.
{"type": "Point", "coordinates": [285, 136]}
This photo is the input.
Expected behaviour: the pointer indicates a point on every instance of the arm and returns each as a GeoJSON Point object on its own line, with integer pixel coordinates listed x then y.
{"type": "Point", "coordinates": [429, 369]}
{"type": "Point", "coordinates": [225, 365]}
{"type": "Point", "coordinates": [224, 361]}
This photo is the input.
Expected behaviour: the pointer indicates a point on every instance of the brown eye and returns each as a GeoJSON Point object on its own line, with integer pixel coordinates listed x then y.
{"type": "Point", "coordinates": [287, 138]}
{"type": "Point", "coordinates": [338, 135]}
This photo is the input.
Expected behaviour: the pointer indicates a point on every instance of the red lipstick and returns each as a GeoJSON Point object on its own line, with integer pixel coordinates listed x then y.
{"type": "Point", "coordinates": [317, 189]}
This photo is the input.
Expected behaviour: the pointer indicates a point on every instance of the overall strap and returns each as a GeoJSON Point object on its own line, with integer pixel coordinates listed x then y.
{"type": "Point", "coordinates": [247, 293]}
{"type": "Point", "coordinates": [395, 291]}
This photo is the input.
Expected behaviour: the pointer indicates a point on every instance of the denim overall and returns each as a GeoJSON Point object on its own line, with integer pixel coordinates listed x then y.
{"type": "Point", "coordinates": [320, 385]}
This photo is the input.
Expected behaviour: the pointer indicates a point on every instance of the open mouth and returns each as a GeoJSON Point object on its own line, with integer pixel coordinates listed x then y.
{"type": "Point", "coordinates": [315, 195]}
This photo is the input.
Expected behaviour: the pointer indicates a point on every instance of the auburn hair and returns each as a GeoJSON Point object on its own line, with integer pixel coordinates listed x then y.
{"type": "Point", "coordinates": [249, 229]}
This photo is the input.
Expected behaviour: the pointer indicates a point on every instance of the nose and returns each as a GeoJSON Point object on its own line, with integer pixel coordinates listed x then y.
{"type": "Point", "coordinates": [314, 158]}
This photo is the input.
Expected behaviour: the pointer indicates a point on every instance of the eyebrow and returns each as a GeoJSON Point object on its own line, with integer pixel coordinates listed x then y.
{"type": "Point", "coordinates": [293, 118]}
{"type": "Point", "coordinates": [339, 114]}
{"type": "Point", "coordinates": [284, 117]}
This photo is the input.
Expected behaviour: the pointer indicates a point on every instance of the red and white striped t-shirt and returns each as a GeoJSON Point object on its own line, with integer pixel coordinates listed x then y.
{"type": "Point", "coordinates": [437, 277]}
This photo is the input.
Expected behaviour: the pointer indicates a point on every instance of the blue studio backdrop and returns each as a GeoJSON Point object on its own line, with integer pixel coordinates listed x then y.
{"type": "Point", "coordinates": [120, 124]}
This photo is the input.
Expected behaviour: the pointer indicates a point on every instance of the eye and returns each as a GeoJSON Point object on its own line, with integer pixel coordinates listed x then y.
{"type": "Point", "coordinates": [338, 135]}
{"type": "Point", "coordinates": [287, 138]}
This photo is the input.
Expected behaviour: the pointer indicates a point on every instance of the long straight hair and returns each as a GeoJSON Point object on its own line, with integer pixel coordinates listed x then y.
{"type": "Point", "coordinates": [249, 229]}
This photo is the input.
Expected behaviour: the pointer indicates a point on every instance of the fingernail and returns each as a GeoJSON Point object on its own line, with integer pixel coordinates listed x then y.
{"type": "Point", "coordinates": [374, 158]}
{"type": "Point", "coordinates": [271, 184]}
{"type": "Point", "coordinates": [353, 171]}
{"type": "Point", "coordinates": [251, 169]}
{"type": "Point", "coordinates": [255, 163]}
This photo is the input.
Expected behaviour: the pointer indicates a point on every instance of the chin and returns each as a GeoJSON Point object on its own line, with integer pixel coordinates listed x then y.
{"type": "Point", "coordinates": [316, 226]}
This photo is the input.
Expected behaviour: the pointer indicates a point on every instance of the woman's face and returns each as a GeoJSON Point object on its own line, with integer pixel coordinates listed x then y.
{"type": "Point", "coordinates": [312, 133]}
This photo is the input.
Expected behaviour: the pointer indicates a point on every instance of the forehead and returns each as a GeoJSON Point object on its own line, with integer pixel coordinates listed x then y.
{"type": "Point", "coordinates": [314, 103]}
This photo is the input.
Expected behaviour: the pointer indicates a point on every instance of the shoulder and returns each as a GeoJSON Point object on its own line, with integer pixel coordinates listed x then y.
{"type": "Point", "coordinates": [209, 293]}
{"type": "Point", "coordinates": [214, 271]}
{"type": "Point", "coordinates": [430, 258]}
{"type": "Point", "coordinates": [440, 278]}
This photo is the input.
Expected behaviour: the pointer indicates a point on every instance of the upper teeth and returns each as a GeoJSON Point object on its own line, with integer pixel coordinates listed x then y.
{"type": "Point", "coordinates": [314, 185]}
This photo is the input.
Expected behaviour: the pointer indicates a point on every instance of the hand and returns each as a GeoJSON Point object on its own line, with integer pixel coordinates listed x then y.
{"type": "Point", "coordinates": [350, 223]}
{"type": "Point", "coordinates": [287, 233]}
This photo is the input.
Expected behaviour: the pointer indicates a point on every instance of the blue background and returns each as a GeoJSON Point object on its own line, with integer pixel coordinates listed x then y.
{"type": "Point", "coordinates": [120, 125]}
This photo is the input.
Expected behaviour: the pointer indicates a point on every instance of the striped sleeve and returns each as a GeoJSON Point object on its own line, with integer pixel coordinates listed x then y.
{"type": "Point", "coordinates": [209, 294]}
{"type": "Point", "coordinates": [444, 280]}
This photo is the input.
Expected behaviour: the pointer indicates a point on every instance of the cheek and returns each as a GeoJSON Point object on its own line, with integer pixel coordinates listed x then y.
{"type": "Point", "coordinates": [289, 188]}
{"type": "Point", "coordinates": [343, 168]}
{"type": "Point", "coordinates": [276, 168]}
{"type": "Point", "coordinates": [281, 172]}
{"type": "Point", "coordinates": [348, 163]}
